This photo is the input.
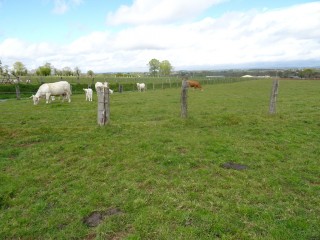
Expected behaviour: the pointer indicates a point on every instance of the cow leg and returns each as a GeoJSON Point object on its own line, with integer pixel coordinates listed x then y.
{"type": "Point", "coordinates": [48, 97]}
{"type": "Point", "coordinates": [68, 96]}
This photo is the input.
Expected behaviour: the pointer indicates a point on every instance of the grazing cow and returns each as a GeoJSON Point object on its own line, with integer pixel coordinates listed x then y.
{"type": "Point", "coordinates": [141, 87]}
{"type": "Point", "coordinates": [194, 84]}
{"type": "Point", "coordinates": [47, 90]}
{"type": "Point", "coordinates": [88, 92]}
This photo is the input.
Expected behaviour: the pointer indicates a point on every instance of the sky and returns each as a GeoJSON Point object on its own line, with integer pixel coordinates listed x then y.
{"type": "Point", "coordinates": [124, 35]}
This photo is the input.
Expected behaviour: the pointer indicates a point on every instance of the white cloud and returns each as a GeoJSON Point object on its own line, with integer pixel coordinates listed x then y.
{"type": "Point", "coordinates": [156, 12]}
{"type": "Point", "coordinates": [62, 6]}
{"type": "Point", "coordinates": [275, 35]}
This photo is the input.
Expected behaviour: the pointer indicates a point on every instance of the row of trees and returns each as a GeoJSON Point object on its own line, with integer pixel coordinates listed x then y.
{"type": "Point", "coordinates": [18, 70]}
{"type": "Point", "coordinates": [156, 68]}
{"type": "Point", "coordinates": [47, 69]}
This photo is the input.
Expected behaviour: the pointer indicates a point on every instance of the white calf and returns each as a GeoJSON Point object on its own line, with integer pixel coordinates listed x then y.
{"type": "Point", "coordinates": [88, 92]}
{"type": "Point", "coordinates": [141, 87]}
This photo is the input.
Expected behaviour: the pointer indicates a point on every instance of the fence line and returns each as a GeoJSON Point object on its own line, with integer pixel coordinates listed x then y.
{"type": "Point", "coordinates": [130, 84]}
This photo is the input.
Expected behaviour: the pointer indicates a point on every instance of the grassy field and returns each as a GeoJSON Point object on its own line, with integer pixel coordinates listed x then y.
{"type": "Point", "coordinates": [153, 175]}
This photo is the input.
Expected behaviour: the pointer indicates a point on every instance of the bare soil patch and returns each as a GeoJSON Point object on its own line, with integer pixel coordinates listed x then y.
{"type": "Point", "coordinates": [235, 166]}
{"type": "Point", "coordinates": [96, 217]}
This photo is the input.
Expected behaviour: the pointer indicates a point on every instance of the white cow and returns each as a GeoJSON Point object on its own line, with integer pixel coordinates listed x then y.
{"type": "Point", "coordinates": [46, 90]}
{"type": "Point", "coordinates": [141, 87]}
{"type": "Point", "coordinates": [102, 85]}
{"type": "Point", "coordinates": [88, 92]}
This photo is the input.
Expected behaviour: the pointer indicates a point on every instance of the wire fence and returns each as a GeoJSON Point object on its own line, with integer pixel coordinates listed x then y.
{"type": "Point", "coordinates": [20, 117]}
{"type": "Point", "coordinates": [116, 84]}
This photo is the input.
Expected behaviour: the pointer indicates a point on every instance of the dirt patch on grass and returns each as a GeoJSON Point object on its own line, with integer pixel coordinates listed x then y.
{"type": "Point", "coordinates": [235, 166]}
{"type": "Point", "coordinates": [96, 217]}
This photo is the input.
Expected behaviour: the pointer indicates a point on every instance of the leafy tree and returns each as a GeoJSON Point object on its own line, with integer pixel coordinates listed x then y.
{"type": "Point", "coordinates": [1, 71]}
{"type": "Point", "coordinates": [57, 72]}
{"type": "Point", "coordinates": [307, 73]}
{"type": "Point", "coordinates": [90, 73]}
{"type": "Point", "coordinates": [154, 66]}
{"type": "Point", "coordinates": [44, 70]}
{"type": "Point", "coordinates": [165, 68]}
{"type": "Point", "coordinates": [66, 71]}
{"type": "Point", "coordinates": [77, 71]}
{"type": "Point", "coordinates": [19, 69]}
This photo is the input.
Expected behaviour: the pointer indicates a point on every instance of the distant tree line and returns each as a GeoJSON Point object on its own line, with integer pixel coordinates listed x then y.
{"type": "Point", "coordinates": [47, 69]}
{"type": "Point", "coordinates": [157, 68]}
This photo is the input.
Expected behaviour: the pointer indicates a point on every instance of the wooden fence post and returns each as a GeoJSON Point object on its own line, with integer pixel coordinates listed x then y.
{"type": "Point", "coordinates": [103, 115]}
{"type": "Point", "coordinates": [184, 99]}
{"type": "Point", "coordinates": [120, 88]}
{"type": "Point", "coordinates": [273, 97]}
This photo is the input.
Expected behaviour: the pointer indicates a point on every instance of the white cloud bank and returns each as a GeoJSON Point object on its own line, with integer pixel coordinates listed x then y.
{"type": "Point", "coordinates": [159, 12]}
{"type": "Point", "coordinates": [287, 34]}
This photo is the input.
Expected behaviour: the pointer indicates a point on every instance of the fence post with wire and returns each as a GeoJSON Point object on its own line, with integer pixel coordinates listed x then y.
{"type": "Point", "coordinates": [103, 115]}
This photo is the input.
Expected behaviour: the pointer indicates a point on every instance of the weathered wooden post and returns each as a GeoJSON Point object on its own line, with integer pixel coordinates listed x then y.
{"type": "Point", "coordinates": [184, 99]}
{"type": "Point", "coordinates": [273, 97]}
{"type": "Point", "coordinates": [103, 115]}
{"type": "Point", "coordinates": [120, 88]}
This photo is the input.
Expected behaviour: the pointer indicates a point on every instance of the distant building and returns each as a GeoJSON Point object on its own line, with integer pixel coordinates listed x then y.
{"type": "Point", "coordinates": [247, 76]}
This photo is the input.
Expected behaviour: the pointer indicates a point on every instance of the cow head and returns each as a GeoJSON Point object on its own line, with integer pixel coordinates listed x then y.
{"type": "Point", "coordinates": [35, 99]}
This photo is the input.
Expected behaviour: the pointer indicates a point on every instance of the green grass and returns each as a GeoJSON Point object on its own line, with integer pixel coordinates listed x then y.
{"type": "Point", "coordinates": [163, 172]}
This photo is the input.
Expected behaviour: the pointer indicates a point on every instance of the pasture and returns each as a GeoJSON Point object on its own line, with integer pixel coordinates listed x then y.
{"type": "Point", "coordinates": [153, 175]}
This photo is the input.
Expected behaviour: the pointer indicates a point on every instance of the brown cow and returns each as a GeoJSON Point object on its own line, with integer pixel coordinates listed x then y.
{"type": "Point", "coordinates": [194, 84]}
